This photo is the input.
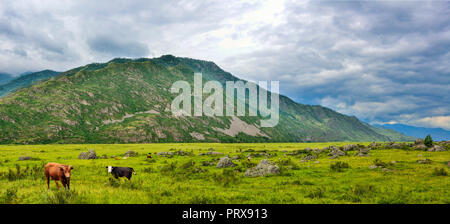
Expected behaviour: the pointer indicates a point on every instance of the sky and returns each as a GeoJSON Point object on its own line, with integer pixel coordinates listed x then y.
{"type": "Point", "coordinates": [381, 61]}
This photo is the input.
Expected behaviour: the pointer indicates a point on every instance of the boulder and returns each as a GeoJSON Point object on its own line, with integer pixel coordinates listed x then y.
{"type": "Point", "coordinates": [436, 148]}
{"type": "Point", "coordinates": [373, 167]}
{"type": "Point", "coordinates": [317, 150]}
{"type": "Point", "coordinates": [350, 147]}
{"type": "Point", "coordinates": [164, 153]}
{"type": "Point", "coordinates": [309, 158]}
{"type": "Point", "coordinates": [262, 169]}
{"type": "Point", "coordinates": [418, 141]}
{"type": "Point", "coordinates": [424, 161]}
{"type": "Point", "coordinates": [214, 153]}
{"type": "Point", "coordinates": [374, 145]}
{"type": "Point", "coordinates": [420, 147]}
{"type": "Point", "coordinates": [88, 155]}
{"type": "Point", "coordinates": [362, 152]}
{"type": "Point", "coordinates": [225, 162]}
{"type": "Point", "coordinates": [130, 154]}
{"type": "Point", "coordinates": [22, 158]}
{"type": "Point", "coordinates": [335, 153]}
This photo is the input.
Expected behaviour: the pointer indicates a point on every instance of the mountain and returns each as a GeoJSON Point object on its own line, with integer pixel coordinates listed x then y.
{"type": "Point", "coordinates": [394, 135]}
{"type": "Point", "coordinates": [4, 78]}
{"type": "Point", "coordinates": [25, 80]}
{"type": "Point", "coordinates": [438, 134]}
{"type": "Point", "coordinates": [128, 101]}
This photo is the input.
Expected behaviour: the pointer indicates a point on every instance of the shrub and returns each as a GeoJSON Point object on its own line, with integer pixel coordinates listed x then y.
{"type": "Point", "coordinates": [379, 163]}
{"type": "Point", "coordinates": [361, 189]}
{"type": "Point", "coordinates": [226, 178]}
{"type": "Point", "coordinates": [10, 196]}
{"type": "Point", "coordinates": [428, 141]}
{"type": "Point", "coordinates": [440, 172]}
{"type": "Point", "coordinates": [169, 167]}
{"type": "Point", "coordinates": [339, 166]}
{"type": "Point", "coordinates": [65, 197]}
{"type": "Point", "coordinates": [247, 164]}
{"type": "Point", "coordinates": [318, 192]}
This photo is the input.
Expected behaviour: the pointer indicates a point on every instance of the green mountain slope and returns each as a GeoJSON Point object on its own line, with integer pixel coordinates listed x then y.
{"type": "Point", "coordinates": [128, 100]}
{"type": "Point", "coordinates": [25, 80]}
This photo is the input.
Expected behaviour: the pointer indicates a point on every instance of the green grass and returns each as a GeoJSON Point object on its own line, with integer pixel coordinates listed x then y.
{"type": "Point", "coordinates": [189, 179]}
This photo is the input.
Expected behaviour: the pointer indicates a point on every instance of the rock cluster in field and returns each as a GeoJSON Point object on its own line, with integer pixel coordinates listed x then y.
{"type": "Point", "coordinates": [424, 161]}
{"type": "Point", "coordinates": [309, 158]}
{"type": "Point", "coordinates": [211, 153]}
{"type": "Point", "coordinates": [350, 147]}
{"type": "Point", "coordinates": [374, 145]}
{"type": "Point", "coordinates": [262, 169]}
{"type": "Point", "coordinates": [436, 148]}
{"type": "Point", "coordinates": [225, 162]}
{"type": "Point", "coordinates": [22, 158]}
{"type": "Point", "coordinates": [130, 154]}
{"type": "Point", "coordinates": [335, 152]}
{"type": "Point", "coordinates": [362, 152]}
{"type": "Point", "coordinates": [88, 155]}
{"type": "Point", "coordinates": [420, 147]}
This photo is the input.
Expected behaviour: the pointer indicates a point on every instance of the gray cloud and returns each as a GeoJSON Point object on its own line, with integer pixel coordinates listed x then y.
{"type": "Point", "coordinates": [383, 61]}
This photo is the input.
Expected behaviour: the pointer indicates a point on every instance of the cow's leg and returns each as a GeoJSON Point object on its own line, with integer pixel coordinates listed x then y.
{"type": "Point", "coordinates": [129, 176]}
{"type": "Point", "coordinates": [57, 185]}
{"type": "Point", "coordinates": [116, 176]}
{"type": "Point", "coordinates": [48, 183]}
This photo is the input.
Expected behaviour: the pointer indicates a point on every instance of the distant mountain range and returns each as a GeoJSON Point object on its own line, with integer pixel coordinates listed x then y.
{"type": "Point", "coordinates": [438, 134]}
{"type": "Point", "coordinates": [25, 80]}
{"type": "Point", "coordinates": [128, 101]}
{"type": "Point", "coordinates": [5, 78]}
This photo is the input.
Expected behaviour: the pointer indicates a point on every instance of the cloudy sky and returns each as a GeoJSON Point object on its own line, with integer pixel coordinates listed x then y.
{"type": "Point", "coordinates": [382, 61]}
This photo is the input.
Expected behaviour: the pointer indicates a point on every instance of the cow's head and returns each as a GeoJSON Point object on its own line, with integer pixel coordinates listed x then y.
{"type": "Point", "coordinates": [66, 170]}
{"type": "Point", "coordinates": [109, 169]}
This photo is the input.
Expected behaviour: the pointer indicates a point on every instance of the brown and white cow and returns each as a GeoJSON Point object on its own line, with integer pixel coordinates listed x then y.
{"type": "Point", "coordinates": [58, 172]}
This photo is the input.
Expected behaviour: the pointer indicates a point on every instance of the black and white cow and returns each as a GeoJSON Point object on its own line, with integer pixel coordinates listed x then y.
{"type": "Point", "coordinates": [121, 171]}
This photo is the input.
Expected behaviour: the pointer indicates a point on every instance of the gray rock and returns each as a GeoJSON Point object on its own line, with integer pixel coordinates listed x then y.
{"type": "Point", "coordinates": [225, 162]}
{"type": "Point", "coordinates": [424, 161]}
{"type": "Point", "coordinates": [262, 169]}
{"type": "Point", "coordinates": [308, 158]}
{"type": "Point", "coordinates": [130, 154]}
{"type": "Point", "coordinates": [317, 151]}
{"type": "Point", "coordinates": [22, 158]}
{"type": "Point", "coordinates": [335, 153]}
{"type": "Point", "coordinates": [88, 155]}
{"type": "Point", "coordinates": [418, 141]}
{"type": "Point", "coordinates": [362, 152]}
{"type": "Point", "coordinates": [350, 147]}
{"type": "Point", "coordinates": [164, 153]}
{"type": "Point", "coordinates": [374, 145]}
{"type": "Point", "coordinates": [373, 167]}
{"type": "Point", "coordinates": [420, 147]}
{"type": "Point", "coordinates": [214, 153]}
{"type": "Point", "coordinates": [436, 148]}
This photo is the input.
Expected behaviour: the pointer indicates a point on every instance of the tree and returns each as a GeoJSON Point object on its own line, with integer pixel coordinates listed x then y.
{"type": "Point", "coordinates": [428, 141]}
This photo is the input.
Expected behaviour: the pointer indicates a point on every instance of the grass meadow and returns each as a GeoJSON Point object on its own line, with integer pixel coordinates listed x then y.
{"type": "Point", "coordinates": [194, 178]}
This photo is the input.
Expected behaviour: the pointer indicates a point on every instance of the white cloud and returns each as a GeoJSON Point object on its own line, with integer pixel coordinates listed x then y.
{"type": "Point", "coordinates": [379, 60]}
